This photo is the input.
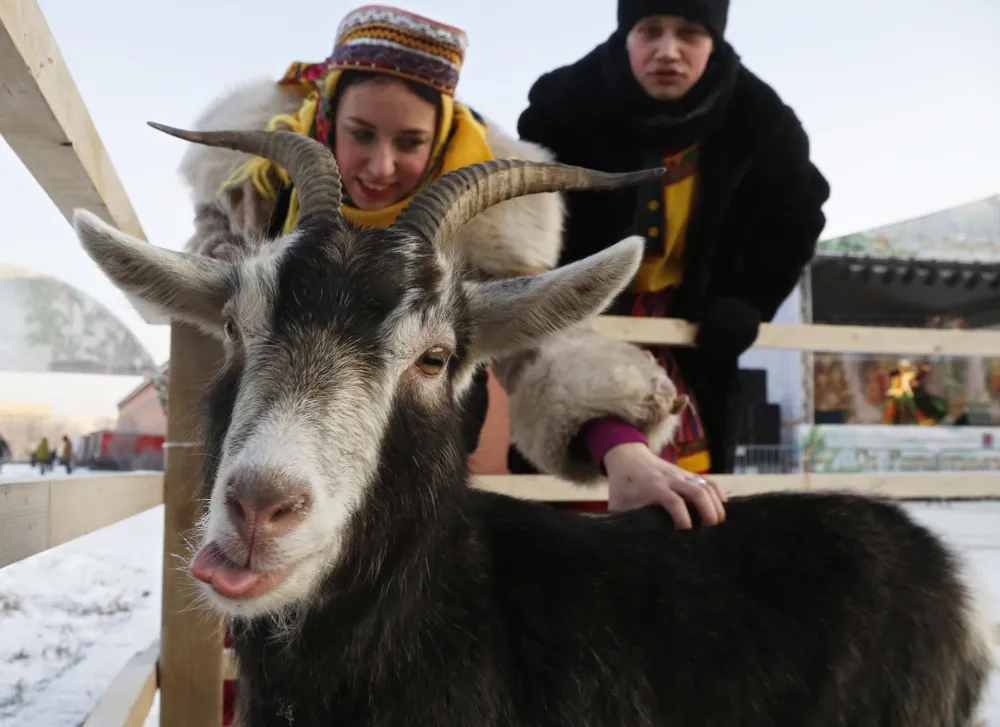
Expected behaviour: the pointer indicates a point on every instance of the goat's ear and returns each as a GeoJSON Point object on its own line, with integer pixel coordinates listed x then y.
{"type": "Point", "coordinates": [519, 313]}
{"type": "Point", "coordinates": [189, 288]}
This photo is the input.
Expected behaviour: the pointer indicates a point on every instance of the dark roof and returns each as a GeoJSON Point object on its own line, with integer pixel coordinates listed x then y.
{"type": "Point", "coordinates": [870, 290]}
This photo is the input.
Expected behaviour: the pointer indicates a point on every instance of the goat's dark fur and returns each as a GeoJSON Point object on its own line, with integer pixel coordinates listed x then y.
{"type": "Point", "coordinates": [800, 610]}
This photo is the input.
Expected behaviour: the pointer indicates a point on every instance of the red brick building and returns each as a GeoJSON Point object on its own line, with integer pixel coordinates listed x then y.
{"type": "Point", "coordinates": [140, 410]}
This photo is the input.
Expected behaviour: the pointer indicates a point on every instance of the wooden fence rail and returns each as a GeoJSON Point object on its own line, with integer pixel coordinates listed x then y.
{"type": "Point", "coordinates": [42, 513]}
{"type": "Point", "coordinates": [39, 514]}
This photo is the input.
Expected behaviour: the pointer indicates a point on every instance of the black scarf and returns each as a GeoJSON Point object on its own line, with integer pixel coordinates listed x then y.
{"type": "Point", "coordinates": [602, 95]}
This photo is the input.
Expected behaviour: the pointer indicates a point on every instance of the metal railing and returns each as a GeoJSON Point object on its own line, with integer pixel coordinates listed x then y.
{"type": "Point", "coordinates": [761, 459]}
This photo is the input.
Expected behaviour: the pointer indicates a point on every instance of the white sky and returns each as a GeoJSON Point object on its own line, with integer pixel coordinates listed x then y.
{"type": "Point", "coordinates": [901, 98]}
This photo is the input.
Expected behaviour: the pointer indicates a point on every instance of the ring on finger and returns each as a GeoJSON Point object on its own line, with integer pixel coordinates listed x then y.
{"type": "Point", "coordinates": [698, 480]}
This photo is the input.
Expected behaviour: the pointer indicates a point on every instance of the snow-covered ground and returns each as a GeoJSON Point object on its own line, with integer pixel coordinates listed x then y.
{"type": "Point", "coordinates": [22, 472]}
{"type": "Point", "coordinates": [71, 617]}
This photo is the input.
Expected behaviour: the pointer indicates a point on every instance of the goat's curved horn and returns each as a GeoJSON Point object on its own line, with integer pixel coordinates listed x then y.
{"type": "Point", "coordinates": [310, 164]}
{"type": "Point", "coordinates": [456, 197]}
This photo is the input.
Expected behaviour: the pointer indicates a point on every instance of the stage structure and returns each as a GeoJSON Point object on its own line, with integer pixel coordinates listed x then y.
{"type": "Point", "coordinates": [897, 411]}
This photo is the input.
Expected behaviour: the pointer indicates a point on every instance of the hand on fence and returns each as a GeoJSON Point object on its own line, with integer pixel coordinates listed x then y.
{"type": "Point", "coordinates": [637, 477]}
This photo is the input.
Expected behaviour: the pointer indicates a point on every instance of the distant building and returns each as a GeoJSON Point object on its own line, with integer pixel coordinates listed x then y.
{"type": "Point", "coordinates": [141, 410]}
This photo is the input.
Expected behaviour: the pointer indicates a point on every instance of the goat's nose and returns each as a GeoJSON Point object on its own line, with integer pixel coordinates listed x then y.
{"type": "Point", "coordinates": [262, 511]}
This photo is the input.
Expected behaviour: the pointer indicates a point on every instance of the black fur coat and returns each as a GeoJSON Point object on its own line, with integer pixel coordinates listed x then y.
{"type": "Point", "coordinates": [756, 218]}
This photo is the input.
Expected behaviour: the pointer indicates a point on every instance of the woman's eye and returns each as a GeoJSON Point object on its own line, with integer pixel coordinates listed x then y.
{"type": "Point", "coordinates": [409, 145]}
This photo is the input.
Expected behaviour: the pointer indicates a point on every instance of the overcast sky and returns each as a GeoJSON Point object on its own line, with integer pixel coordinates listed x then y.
{"type": "Point", "coordinates": [900, 97]}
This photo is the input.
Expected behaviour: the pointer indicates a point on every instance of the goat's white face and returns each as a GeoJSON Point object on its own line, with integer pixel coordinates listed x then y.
{"type": "Point", "coordinates": [341, 344]}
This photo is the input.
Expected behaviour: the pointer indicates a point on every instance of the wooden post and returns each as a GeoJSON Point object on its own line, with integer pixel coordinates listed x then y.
{"type": "Point", "coordinates": [191, 637]}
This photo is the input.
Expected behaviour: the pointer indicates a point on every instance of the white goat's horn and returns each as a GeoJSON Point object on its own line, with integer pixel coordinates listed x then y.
{"type": "Point", "coordinates": [310, 164]}
{"type": "Point", "coordinates": [456, 197]}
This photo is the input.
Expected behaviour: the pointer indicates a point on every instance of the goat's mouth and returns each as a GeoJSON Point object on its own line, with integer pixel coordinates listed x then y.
{"type": "Point", "coordinates": [229, 579]}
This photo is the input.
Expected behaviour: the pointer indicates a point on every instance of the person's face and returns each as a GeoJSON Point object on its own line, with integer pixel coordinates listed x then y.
{"type": "Point", "coordinates": [668, 54]}
{"type": "Point", "coordinates": [384, 138]}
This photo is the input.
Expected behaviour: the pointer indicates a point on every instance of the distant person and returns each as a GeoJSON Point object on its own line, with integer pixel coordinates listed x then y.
{"type": "Point", "coordinates": [6, 454]}
{"type": "Point", "coordinates": [43, 456]}
{"type": "Point", "coordinates": [67, 454]}
{"type": "Point", "coordinates": [728, 230]}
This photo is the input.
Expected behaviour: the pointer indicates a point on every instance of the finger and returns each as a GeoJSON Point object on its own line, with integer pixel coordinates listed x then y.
{"type": "Point", "coordinates": [716, 494]}
{"type": "Point", "coordinates": [720, 508]}
{"type": "Point", "coordinates": [723, 497]}
{"type": "Point", "coordinates": [675, 505]}
{"type": "Point", "coordinates": [702, 497]}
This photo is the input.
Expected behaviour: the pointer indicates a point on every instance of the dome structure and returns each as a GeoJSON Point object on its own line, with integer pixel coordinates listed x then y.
{"type": "Point", "coordinates": [47, 325]}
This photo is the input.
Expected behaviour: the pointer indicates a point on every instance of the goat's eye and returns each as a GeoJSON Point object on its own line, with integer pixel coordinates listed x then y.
{"type": "Point", "coordinates": [433, 360]}
{"type": "Point", "coordinates": [231, 330]}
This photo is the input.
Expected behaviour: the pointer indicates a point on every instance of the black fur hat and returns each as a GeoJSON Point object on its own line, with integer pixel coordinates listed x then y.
{"type": "Point", "coordinates": [712, 13]}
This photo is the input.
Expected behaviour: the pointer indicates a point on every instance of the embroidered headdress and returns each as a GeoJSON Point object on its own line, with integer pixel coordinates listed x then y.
{"type": "Point", "coordinates": [393, 41]}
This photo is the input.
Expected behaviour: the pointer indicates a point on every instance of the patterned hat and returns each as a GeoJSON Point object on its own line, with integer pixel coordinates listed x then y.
{"type": "Point", "coordinates": [393, 41]}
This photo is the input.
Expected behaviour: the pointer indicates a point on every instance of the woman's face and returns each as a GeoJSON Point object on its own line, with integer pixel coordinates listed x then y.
{"type": "Point", "coordinates": [384, 135]}
{"type": "Point", "coordinates": [668, 54]}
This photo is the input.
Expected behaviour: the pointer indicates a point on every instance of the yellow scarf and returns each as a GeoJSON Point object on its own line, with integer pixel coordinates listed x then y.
{"type": "Point", "coordinates": [460, 141]}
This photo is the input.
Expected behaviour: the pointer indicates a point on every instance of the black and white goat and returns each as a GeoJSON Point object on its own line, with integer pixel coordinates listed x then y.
{"type": "Point", "coordinates": [370, 585]}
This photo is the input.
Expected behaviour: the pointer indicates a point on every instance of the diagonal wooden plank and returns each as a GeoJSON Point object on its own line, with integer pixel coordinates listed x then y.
{"type": "Point", "coordinates": [45, 121]}
{"type": "Point", "coordinates": [130, 696]}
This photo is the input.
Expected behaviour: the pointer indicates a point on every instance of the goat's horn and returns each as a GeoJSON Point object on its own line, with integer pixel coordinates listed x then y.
{"type": "Point", "coordinates": [310, 164]}
{"type": "Point", "coordinates": [456, 197]}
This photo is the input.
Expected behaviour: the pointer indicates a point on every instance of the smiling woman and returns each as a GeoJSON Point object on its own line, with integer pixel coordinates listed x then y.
{"type": "Point", "coordinates": [385, 130]}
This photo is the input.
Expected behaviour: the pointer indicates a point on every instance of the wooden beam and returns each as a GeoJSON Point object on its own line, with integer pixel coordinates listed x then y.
{"type": "Point", "coordinates": [130, 696]}
{"type": "Point", "coordinates": [191, 636]}
{"type": "Point", "coordinates": [897, 485]}
{"type": "Point", "coordinates": [44, 120]}
{"type": "Point", "coordinates": [815, 337]}
{"type": "Point", "coordinates": [41, 514]}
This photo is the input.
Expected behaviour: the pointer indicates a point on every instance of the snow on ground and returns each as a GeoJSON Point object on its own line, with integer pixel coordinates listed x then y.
{"type": "Point", "coordinates": [24, 472]}
{"type": "Point", "coordinates": [71, 617]}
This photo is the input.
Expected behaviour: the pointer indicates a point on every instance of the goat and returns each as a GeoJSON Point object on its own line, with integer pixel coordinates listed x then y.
{"type": "Point", "coordinates": [369, 584]}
